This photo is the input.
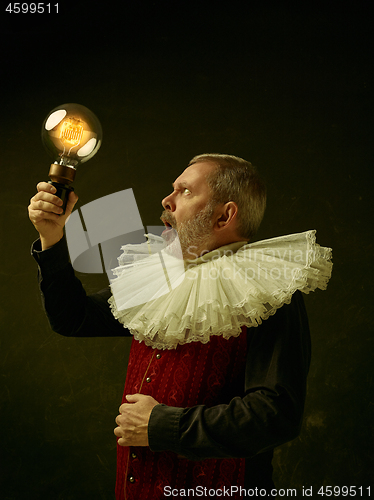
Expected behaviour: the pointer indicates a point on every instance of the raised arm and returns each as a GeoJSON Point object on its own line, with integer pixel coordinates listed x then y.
{"type": "Point", "coordinates": [70, 311]}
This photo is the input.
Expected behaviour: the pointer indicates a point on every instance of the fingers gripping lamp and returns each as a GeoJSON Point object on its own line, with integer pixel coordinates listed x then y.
{"type": "Point", "coordinates": [71, 134]}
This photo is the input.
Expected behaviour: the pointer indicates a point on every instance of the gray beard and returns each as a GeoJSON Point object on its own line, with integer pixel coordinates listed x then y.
{"type": "Point", "coordinates": [193, 235]}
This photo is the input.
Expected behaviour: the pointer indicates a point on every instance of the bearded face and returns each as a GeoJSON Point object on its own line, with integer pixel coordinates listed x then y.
{"type": "Point", "coordinates": [193, 234]}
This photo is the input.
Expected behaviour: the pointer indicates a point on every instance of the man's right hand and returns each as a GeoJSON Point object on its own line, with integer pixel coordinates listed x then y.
{"type": "Point", "coordinates": [44, 210]}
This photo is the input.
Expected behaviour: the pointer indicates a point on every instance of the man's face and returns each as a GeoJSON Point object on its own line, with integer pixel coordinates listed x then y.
{"type": "Point", "coordinates": [189, 209]}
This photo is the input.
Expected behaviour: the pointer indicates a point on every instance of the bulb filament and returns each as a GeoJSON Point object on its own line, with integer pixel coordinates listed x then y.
{"type": "Point", "coordinates": [71, 133]}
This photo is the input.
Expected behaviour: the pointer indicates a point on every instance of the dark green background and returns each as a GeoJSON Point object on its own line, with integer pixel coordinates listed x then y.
{"type": "Point", "coordinates": [285, 85]}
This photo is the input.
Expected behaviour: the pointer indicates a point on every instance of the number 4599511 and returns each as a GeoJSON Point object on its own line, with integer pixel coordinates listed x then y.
{"type": "Point", "coordinates": [344, 491]}
{"type": "Point", "coordinates": [32, 8]}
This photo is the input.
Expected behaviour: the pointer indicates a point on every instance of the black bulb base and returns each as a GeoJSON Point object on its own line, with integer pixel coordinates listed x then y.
{"type": "Point", "coordinates": [62, 191]}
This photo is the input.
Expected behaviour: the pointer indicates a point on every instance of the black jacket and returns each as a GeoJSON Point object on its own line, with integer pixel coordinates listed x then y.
{"type": "Point", "coordinates": [277, 365]}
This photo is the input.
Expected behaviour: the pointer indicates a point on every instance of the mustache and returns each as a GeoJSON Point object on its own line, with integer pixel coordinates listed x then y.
{"type": "Point", "coordinates": [169, 218]}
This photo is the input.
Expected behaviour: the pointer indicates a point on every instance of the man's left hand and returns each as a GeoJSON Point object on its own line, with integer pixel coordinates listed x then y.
{"type": "Point", "coordinates": [133, 420]}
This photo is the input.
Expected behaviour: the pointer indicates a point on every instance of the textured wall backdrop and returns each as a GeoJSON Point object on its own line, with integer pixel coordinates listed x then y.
{"type": "Point", "coordinates": [286, 87]}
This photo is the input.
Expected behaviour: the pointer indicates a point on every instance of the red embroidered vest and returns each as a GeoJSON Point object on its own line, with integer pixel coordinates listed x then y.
{"type": "Point", "coordinates": [193, 374]}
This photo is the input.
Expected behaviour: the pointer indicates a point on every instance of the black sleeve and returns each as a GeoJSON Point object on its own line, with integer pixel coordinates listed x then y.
{"type": "Point", "coordinates": [269, 414]}
{"type": "Point", "coordinates": [70, 311]}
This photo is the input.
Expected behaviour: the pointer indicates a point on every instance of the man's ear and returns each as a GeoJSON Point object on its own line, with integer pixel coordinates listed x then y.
{"type": "Point", "coordinates": [226, 216]}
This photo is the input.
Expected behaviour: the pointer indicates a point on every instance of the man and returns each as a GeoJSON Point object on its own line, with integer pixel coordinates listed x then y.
{"type": "Point", "coordinates": [195, 414]}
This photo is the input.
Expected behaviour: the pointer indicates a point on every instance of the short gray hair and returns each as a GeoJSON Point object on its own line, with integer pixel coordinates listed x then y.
{"type": "Point", "coordinates": [237, 180]}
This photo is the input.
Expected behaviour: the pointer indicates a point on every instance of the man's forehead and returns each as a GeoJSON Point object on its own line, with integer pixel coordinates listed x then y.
{"type": "Point", "coordinates": [195, 174]}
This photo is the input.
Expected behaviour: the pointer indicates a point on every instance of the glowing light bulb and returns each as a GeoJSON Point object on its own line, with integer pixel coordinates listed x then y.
{"type": "Point", "coordinates": [71, 134]}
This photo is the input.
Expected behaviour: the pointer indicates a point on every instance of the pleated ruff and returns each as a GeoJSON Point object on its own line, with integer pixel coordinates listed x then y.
{"type": "Point", "coordinates": [165, 301]}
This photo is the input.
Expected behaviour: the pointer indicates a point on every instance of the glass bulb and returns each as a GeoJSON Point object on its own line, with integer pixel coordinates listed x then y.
{"type": "Point", "coordinates": [71, 134]}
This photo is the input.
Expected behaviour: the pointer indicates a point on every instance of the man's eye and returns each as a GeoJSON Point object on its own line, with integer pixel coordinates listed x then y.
{"type": "Point", "coordinates": [186, 191]}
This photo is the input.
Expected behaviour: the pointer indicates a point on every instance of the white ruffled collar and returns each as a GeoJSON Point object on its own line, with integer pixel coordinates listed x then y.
{"type": "Point", "coordinates": [165, 301]}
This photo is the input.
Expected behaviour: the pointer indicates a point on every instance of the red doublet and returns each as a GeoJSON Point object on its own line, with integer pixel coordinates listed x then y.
{"type": "Point", "coordinates": [192, 374]}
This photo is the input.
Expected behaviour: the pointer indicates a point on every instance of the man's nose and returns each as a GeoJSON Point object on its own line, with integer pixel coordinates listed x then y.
{"type": "Point", "coordinates": [168, 203]}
